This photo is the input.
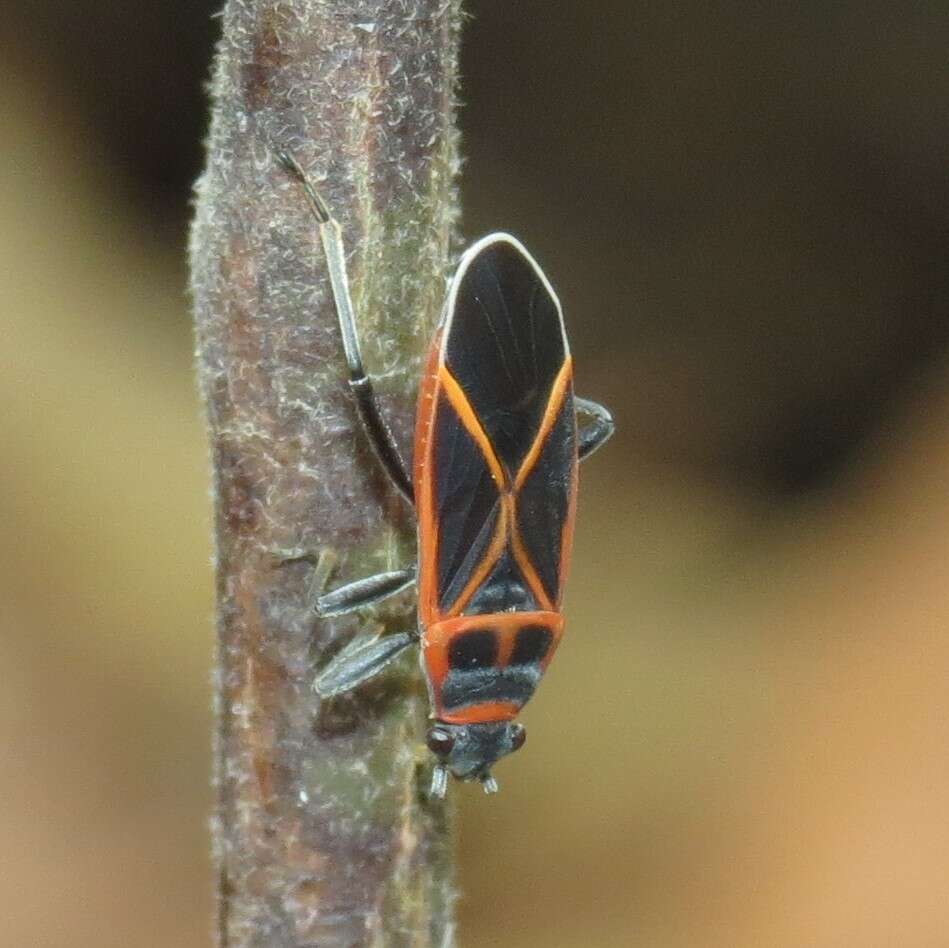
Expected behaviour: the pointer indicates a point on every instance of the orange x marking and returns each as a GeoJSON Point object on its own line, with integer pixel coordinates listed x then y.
{"type": "Point", "coordinates": [506, 529]}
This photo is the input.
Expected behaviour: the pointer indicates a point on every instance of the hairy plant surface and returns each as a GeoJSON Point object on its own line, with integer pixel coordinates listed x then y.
{"type": "Point", "coordinates": [324, 835]}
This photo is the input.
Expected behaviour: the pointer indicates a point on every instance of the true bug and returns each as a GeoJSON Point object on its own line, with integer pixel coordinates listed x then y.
{"type": "Point", "coordinates": [494, 486]}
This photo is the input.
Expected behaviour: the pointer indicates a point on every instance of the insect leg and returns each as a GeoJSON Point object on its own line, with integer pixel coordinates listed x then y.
{"type": "Point", "coordinates": [360, 660]}
{"type": "Point", "coordinates": [597, 433]}
{"type": "Point", "coordinates": [380, 435]}
{"type": "Point", "coordinates": [363, 592]}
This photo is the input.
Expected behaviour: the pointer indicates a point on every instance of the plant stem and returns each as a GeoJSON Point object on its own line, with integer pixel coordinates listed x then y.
{"type": "Point", "coordinates": [323, 833]}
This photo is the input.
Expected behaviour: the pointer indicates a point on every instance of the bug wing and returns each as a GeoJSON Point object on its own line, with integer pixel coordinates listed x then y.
{"type": "Point", "coordinates": [504, 342]}
{"type": "Point", "coordinates": [546, 501]}
{"type": "Point", "coordinates": [502, 347]}
{"type": "Point", "coordinates": [467, 504]}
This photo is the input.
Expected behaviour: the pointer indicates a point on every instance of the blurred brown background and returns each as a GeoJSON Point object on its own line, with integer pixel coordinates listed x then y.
{"type": "Point", "coordinates": [744, 740]}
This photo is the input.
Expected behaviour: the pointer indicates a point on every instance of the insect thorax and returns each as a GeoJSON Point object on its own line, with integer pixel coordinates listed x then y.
{"type": "Point", "coordinates": [486, 667]}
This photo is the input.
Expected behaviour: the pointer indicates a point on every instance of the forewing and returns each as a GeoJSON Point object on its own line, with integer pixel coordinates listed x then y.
{"type": "Point", "coordinates": [544, 503]}
{"type": "Point", "coordinates": [505, 343]}
{"type": "Point", "coordinates": [467, 503]}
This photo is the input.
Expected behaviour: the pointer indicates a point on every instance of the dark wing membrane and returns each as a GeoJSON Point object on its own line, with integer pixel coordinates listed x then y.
{"type": "Point", "coordinates": [505, 346]}
{"type": "Point", "coordinates": [543, 501]}
{"type": "Point", "coordinates": [504, 589]}
{"type": "Point", "coordinates": [467, 503]}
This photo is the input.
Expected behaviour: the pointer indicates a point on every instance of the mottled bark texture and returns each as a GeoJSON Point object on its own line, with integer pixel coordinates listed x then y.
{"type": "Point", "coordinates": [324, 834]}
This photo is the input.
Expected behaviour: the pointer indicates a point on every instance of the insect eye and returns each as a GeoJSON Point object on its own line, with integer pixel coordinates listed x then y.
{"type": "Point", "coordinates": [518, 736]}
{"type": "Point", "coordinates": [440, 742]}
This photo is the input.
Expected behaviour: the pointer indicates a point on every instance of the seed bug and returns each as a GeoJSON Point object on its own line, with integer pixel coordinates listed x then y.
{"type": "Point", "coordinates": [494, 486]}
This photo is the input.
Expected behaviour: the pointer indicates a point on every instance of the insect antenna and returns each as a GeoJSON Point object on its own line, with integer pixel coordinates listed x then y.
{"type": "Point", "coordinates": [439, 782]}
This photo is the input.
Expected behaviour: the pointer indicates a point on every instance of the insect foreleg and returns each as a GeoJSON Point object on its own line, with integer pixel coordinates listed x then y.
{"type": "Point", "coordinates": [364, 592]}
{"type": "Point", "coordinates": [359, 661]}
{"type": "Point", "coordinates": [597, 433]}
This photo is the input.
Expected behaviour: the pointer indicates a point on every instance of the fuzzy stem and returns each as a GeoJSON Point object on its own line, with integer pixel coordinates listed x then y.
{"type": "Point", "coordinates": [323, 833]}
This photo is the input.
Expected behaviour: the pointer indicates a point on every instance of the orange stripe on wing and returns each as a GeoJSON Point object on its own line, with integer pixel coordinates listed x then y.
{"type": "Point", "coordinates": [423, 480]}
{"type": "Point", "coordinates": [507, 518]}
{"type": "Point", "coordinates": [557, 392]}
{"type": "Point", "coordinates": [566, 534]}
{"type": "Point", "coordinates": [493, 552]}
{"type": "Point", "coordinates": [459, 401]}
{"type": "Point", "coordinates": [466, 414]}
{"type": "Point", "coordinates": [523, 560]}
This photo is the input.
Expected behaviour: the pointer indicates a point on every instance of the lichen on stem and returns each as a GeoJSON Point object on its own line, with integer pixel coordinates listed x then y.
{"type": "Point", "coordinates": [323, 833]}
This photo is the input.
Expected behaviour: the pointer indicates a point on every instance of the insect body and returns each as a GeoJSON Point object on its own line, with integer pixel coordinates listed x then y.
{"type": "Point", "coordinates": [494, 485]}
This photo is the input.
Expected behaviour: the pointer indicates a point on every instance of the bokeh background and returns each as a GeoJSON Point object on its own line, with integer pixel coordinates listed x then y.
{"type": "Point", "coordinates": [744, 739]}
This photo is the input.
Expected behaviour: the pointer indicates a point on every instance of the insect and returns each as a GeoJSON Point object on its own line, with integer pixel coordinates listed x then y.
{"type": "Point", "coordinates": [497, 446]}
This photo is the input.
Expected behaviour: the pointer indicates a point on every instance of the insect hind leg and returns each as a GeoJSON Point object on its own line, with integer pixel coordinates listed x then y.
{"type": "Point", "coordinates": [375, 425]}
{"type": "Point", "coordinates": [598, 432]}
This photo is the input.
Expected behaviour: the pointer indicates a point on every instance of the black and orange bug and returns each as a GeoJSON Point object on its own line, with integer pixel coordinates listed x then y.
{"type": "Point", "coordinates": [494, 485]}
